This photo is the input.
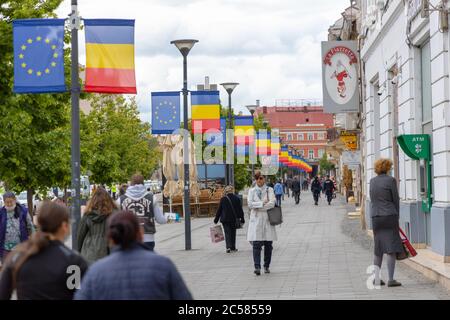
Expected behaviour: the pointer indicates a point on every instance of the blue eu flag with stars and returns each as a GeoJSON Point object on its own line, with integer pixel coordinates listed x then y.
{"type": "Point", "coordinates": [165, 112]}
{"type": "Point", "coordinates": [38, 55]}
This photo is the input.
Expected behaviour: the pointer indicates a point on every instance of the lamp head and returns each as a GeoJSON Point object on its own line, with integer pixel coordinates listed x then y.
{"type": "Point", "coordinates": [252, 108]}
{"type": "Point", "coordinates": [184, 45]}
{"type": "Point", "coordinates": [229, 86]}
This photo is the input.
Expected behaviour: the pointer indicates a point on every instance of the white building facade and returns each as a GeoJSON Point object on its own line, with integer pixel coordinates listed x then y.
{"type": "Point", "coordinates": [406, 91]}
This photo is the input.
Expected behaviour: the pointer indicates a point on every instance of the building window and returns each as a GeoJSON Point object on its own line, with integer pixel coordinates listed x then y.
{"type": "Point", "coordinates": [311, 154]}
{"type": "Point", "coordinates": [321, 136]}
{"type": "Point", "coordinates": [302, 153]}
{"type": "Point", "coordinates": [289, 137]}
{"type": "Point", "coordinates": [300, 136]}
{"type": "Point", "coordinates": [321, 153]}
{"type": "Point", "coordinates": [310, 136]}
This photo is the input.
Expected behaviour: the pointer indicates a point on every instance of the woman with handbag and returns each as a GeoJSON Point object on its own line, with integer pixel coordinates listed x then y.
{"type": "Point", "coordinates": [231, 216]}
{"type": "Point", "coordinates": [384, 212]}
{"type": "Point", "coordinates": [261, 233]}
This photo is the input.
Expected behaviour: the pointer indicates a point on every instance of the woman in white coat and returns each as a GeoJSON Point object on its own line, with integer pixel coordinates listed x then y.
{"type": "Point", "coordinates": [260, 232]}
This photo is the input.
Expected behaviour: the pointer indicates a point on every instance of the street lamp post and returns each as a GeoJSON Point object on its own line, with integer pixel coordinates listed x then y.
{"type": "Point", "coordinates": [229, 87]}
{"type": "Point", "coordinates": [185, 46]}
{"type": "Point", "coordinates": [252, 109]}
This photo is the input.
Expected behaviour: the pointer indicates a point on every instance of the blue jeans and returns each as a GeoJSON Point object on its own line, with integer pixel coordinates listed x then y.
{"type": "Point", "coordinates": [278, 198]}
{"type": "Point", "coordinates": [150, 245]}
{"type": "Point", "coordinates": [257, 247]}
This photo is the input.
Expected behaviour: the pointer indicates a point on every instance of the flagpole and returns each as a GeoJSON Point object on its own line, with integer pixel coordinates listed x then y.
{"type": "Point", "coordinates": [75, 150]}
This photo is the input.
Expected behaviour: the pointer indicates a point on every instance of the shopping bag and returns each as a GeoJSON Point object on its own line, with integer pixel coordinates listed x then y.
{"type": "Point", "coordinates": [412, 252]}
{"type": "Point", "coordinates": [216, 234]}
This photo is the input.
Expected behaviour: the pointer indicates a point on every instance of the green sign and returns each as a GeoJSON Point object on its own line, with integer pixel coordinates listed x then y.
{"type": "Point", "coordinates": [416, 146]}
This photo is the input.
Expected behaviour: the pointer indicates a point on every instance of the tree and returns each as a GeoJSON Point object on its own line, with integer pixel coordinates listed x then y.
{"type": "Point", "coordinates": [34, 128]}
{"type": "Point", "coordinates": [325, 165]}
{"type": "Point", "coordinates": [115, 142]}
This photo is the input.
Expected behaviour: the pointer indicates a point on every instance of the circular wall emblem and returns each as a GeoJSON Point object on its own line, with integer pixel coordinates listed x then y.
{"type": "Point", "coordinates": [341, 74]}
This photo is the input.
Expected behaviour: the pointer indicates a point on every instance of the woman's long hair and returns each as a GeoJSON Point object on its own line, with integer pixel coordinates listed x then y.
{"type": "Point", "coordinates": [51, 216]}
{"type": "Point", "coordinates": [101, 202]}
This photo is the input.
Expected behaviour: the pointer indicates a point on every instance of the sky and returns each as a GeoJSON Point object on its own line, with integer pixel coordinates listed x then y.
{"type": "Point", "coordinates": [270, 47]}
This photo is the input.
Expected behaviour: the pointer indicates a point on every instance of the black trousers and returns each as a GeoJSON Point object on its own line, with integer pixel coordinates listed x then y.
{"type": "Point", "coordinates": [296, 195]}
{"type": "Point", "coordinates": [329, 196]}
{"type": "Point", "coordinates": [316, 196]}
{"type": "Point", "coordinates": [230, 235]}
{"type": "Point", "coordinates": [257, 247]}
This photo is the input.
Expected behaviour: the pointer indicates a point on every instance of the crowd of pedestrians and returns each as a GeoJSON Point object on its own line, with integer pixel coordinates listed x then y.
{"type": "Point", "coordinates": [116, 239]}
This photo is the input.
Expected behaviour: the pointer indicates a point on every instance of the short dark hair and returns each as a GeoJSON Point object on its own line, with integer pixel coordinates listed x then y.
{"type": "Point", "coordinates": [258, 175]}
{"type": "Point", "coordinates": [137, 179]}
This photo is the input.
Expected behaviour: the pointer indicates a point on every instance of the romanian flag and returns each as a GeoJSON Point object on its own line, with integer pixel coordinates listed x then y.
{"type": "Point", "coordinates": [205, 111]}
{"type": "Point", "coordinates": [263, 143]}
{"type": "Point", "coordinates": [110, 56]}
{"type": "Point", "coordinates": [244, 131]}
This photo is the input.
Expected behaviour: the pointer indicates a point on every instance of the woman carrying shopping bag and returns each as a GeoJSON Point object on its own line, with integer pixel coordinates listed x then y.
{"type": "Point", "coordinates": [231, 216]}
{"type": "Point", "coordinates": [260, 232]}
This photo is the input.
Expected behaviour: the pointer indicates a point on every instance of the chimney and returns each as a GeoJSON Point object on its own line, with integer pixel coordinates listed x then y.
{"type": "Point", "coordinates": [258, 103]}
{"type": "Point", "coordinates": [207, 87]}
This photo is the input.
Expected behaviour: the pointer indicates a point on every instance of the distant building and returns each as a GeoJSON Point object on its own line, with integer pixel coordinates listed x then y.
{"type": "Point", "coordinates": [302, 128]}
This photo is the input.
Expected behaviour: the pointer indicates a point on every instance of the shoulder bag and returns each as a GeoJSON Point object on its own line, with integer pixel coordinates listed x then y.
{"type": "Point", "coordinates": [275, 215]}
{"type": "Point", "coordinates": [238, 220]}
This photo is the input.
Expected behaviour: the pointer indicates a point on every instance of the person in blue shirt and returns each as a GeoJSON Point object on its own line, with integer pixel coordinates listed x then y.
{"type": "Point", "coordinates": [278, 189]}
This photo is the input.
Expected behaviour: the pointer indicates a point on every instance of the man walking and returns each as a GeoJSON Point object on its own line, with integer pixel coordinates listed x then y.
{"type": "Point", "coordinates": [316, 187]}
{"type": "Point", "coordinates": [278, 189]}
{"type": "Point", "coordinates": [139, 201]}
{"type": "Point", "coordinates": [329, 189]}
{"type": "Point", "coordinates": [296, 188]}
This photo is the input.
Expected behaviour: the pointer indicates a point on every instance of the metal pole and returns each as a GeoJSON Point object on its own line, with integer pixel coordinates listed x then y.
{"type": "Point", "coordinates": [187, 212]}
{"type": "Point", "coordinates": [75, 151]}
{"type": "Point", "coordinates": [231, 165]}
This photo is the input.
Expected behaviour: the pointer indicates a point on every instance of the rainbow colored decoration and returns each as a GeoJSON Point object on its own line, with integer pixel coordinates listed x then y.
{"type": "Point", "coordinates": [293, 161]}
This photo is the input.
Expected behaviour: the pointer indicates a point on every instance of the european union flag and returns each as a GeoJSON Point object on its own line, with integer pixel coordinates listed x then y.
{"type": "Point", "coordinates": [38, 55]}
{"type": "Point", "coordinates": [165, 112]}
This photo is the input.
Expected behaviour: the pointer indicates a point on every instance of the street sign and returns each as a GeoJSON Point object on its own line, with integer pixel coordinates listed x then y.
{"type": "Point", "coordinates": [351, 158]}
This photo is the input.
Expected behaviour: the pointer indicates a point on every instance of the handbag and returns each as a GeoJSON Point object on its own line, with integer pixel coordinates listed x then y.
{"type": "Point", "coordinates": [238, 220]}
{"type": "Point", "coordinates": [408, 249]}
{"type": "Point", "coordinates": [275, 214]}
{"type": "Point", "coordinates": [216, 233]}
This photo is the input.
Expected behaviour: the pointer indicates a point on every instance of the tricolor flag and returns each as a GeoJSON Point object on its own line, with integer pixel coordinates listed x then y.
{"type": "Point", "coordinates": [205, 111]}
{"type": "Point", "coordinates": [263, 143]}
{"type": "Point", "coordinates": [244, 130]}
{"type": "Point", "coordinates": [110, 56]}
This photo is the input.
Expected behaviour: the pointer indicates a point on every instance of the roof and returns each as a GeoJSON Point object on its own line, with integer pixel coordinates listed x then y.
{"type": "Point", "coordinates": [292, 117]}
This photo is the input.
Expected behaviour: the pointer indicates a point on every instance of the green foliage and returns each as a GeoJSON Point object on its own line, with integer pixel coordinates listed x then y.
{"type": "Point", "coordinates": [34, 129]}
{"type": "Point", "coordinates": [325, 165]}
{"type": "Point", "coordinates": [115, 142]}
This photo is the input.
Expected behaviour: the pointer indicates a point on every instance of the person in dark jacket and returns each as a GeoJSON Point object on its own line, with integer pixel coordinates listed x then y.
{"type": "Point", "coordinates": [296, 189]}
{"type": "Point", "coordinates": [43, 268]}
{"type": "Point", "coordinates": [131, 271]}
{"type": "Point", "coordinates": [229, 214]}
{"type": "Point", "coordinates": [15, 225]}
{"type": "Point", "coordinates": [329, 189]}
{"type": "Point", "coordinates": [139, 200]}
{"type": "Point", "coordinates": [92, 241]}
{"type": "Point", "coordinates": [316, 187]}
{"type": "Point", "coordinates": [385, 207]}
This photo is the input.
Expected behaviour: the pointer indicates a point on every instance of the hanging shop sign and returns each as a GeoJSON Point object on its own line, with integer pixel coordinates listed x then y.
{"type": "Point", "coordinates": [350, 139]}
{"type": "Point", "coordinates": [340, 76]}
{"type": "Point", "coordinates": [417, 147]}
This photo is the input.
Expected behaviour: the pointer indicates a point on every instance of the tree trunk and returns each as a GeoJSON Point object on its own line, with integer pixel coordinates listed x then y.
{"type": "Point", "coordinates": [30, 194]}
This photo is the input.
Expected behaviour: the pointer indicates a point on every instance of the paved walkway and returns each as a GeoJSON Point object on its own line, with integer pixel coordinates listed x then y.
{"type": "Point", "coordinates": [315, 258]}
